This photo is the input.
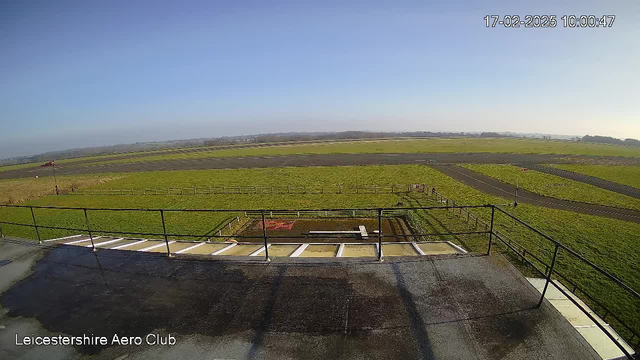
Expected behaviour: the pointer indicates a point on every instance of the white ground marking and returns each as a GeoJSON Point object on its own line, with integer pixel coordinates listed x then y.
{"type": "Point", "coordinates": [299, 250]}
{"type": "Point", "coordinates": [127, 245]}
{"type": "Point", "coordinates": [190, 248]}
{"type": "Point", "coordinates": [363, 232]}
{"type": "Point", "coordinates": [63, 238]}
{"type": "Point", "coordinates": [379, 251]}
{"type": "Point", "coordinates": [224, 249]}
{"type": "Point", "coordinates": [156, 246]}
{"type": "Point", "coordinates": [259, 250]}
{"type": "Point", "coordinates": [340, 250]}
{"type": "Point", "coordinates": [79, 241]}
{"type": "Point", "coordinates": [417, 249]}
{"type": "Point", "coordinates": [457, 247]}
{"type": "Point", "coordinates": [107, 242]}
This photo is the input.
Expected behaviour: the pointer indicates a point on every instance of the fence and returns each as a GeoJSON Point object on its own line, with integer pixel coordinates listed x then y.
{"type": "Point", "coordinates": [535, 262]}
{"type": "Point", "coordinates": [258, 189]}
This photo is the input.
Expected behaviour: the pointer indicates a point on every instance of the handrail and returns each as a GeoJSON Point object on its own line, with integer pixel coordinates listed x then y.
{"type": "Point", "coordinates": [582, 258]}
{"type": "Point", "coordinates": [549, 270]}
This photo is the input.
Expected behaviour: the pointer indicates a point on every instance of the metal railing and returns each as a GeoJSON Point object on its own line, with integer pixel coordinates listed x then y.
{"type": "Point", "coordinates": [257, 189]}
{"type": "Point", "coordinates": [379, 213]}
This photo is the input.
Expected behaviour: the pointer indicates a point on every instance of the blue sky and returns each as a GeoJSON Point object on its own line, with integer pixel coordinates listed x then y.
{"type": "Point", "coordinates": [92, 73]}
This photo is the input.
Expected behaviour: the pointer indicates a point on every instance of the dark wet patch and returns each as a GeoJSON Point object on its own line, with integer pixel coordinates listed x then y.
{"type": "Point", "coordinates": [503, 334]}
{"type": "Point", "coordinates": [327, 309]}
{"type": "Point", "coordinates": [5, 262]}
{"type": "Point", "coordinates": [74, 291]}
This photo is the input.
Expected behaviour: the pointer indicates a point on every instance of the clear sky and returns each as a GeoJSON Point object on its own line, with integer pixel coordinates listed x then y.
{"type": "Point", "coordinates": [91, 73]}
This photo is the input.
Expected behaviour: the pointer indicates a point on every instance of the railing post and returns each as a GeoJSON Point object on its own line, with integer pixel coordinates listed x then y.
{"type": "Point", "coordinates": [264, 236]}
{"type": "Point", "coordinates": [164, 231]}
{"type": "Point", "coordinates": [546, 284]}
{"type": "Point", "coordinates": [379, 234]}
{"type": "Point", "coordinates": [35, 225]}
{"type": "Point", "coordinates": [493, 211]}
{"type": "Point", "coordinates": [86, 219]}
{"type": "Point", "coordinates": [1, 233]}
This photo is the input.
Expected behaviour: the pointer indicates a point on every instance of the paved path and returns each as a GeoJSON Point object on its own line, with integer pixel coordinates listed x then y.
{"type": "Point", "coordinates": [311, 160]}
{"type": "Point", "coordinates": [591, 180]}
{"type": "Point", "coordinates": [461, 307]}
{"type": "Point", "coordinates": [495, 187]}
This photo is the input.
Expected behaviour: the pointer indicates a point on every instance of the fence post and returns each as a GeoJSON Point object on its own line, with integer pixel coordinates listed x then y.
{"type": "Point", "coordinates": [379, 234]}
{"type": "Point", "coordinates": [35, 225]}
{"type": "Point", "coordinates": [546, 284]}
{"type": "Point", "coordinates": [86, 219]}
{"type": "Point", "coordinates": [1, 233]}
{"type": "Point", "coordinates": [264, 236]}
{"type": "Point", "coordinates": [164, 231]}
{"type": "Point", "coordinates": [493, 211]}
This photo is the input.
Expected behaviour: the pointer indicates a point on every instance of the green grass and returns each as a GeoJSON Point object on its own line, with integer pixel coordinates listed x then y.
{"type": "Point", "coordinates": [205, 223]}
{"type": "Point", "coordinates": [627, 175]}
{"type": "Point", "coordinates": [611, 244]}
{"type": "Point", "coordinates": [461, 145]}
{"type": "Point", "coordinates": [555, 186]}
{"type": "Point", "coordinates": [433, 145]}
{"type": "Point", "coordinates": [15, 191]}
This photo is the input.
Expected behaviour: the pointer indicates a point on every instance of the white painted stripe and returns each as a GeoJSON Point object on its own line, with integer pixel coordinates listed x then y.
{"type": "Point", "coordinates": [83, 240]}
{"type": "Point", "coordinates": [380, 251]}
{"type": "Point", "coordinates": [417, 249]}
{"type": "Point", "coordinates": [259, 250]}
{"type": "Point", "coordinates": [64, 238]}
{"type": "Point", "coordinates": [107, 242]}
{"type": "Point", "coordinates": [363, 232]}
{"type": "Point", "coordinates": [299, 250]}
{"type": "Point", "coordinates": [224, 249]}
{"type": "Point", "coordinates": [340, 250]}
{"type": "Point", "coordinates": [156, 246]}
{"type": "Point", "coordinates": [190, 248]}
{"type": "Point", "coordinates": [457, 247]}
{"type": "Point", "coordinates": [127, 245]}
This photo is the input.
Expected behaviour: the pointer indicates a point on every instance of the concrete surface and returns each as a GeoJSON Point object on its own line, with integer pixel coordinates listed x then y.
{"type": "Point", "coordinates": [458, 307]}
{"type": "Point", "coordinates": [600, 342]}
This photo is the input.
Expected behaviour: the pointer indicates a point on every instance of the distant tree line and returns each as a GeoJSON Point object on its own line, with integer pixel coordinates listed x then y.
{"type": "Point", "coordinates": [356, 135]}
{"type": "Point", "coordinates": [611, 140]}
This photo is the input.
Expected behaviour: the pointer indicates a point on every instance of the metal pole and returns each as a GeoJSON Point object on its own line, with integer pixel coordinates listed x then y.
{"type": "Point", "coordinates": [493, 211]}
{"type": "Point", "coordinates": [1, 233]}
{"type": "Point", "coordinates": [379, 234]}
{"type": "Point", "coordinates": [35, 225]}
{"type": "Point", "coordinates": [546, 284]}
{"type": "Point", "coordinates": [164, 231]}
{"type": "Point", "coordinates": [86, 219]}
{"type": "Point", "coordinates": [264, 235]}
{"type": "Point", "coordinates": [55, 180]}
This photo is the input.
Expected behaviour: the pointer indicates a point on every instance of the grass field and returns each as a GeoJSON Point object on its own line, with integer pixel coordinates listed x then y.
{"type": "Point", "coordinates": [627, 175]}
{"type": "Point", "coordinates": [434, 145]}
{"type": "Point", "coordinates": [15, 191]}
{"type": "Point", "coordinates": [206, 223]}
{"type": "Point", "coordinates": [555, 186]}
{"type": "Point", "coordinates": [612, 244]}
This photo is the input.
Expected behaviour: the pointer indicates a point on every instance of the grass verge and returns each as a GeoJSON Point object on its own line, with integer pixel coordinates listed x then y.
{"type": "Point", "coordinates": [627, 175]}
{"type": "Point", "coordinates": [556, 186]}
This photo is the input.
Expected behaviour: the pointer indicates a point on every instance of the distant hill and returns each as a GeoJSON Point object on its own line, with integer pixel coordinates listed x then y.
{"type": "Point", "coordinates": [611, 140]}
